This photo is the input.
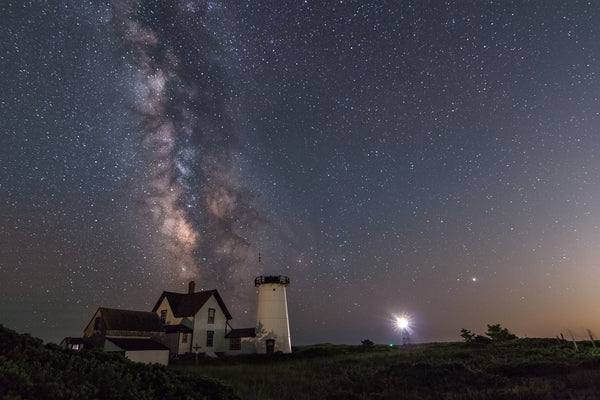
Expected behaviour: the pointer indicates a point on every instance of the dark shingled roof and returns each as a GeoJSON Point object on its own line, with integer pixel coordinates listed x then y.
{"type": "Point", "coordinates": [133, 344]}
{"type": "Point", "coordinates": [72, 340]}
{"type": "Point", "coordinates": [187, 304]}
{"type": "Point", "coordinates": [240, 333]}
{"type": "Point", "coordinates": [178, 328]}
{"type": "Point", "coordinates": [129, 320]}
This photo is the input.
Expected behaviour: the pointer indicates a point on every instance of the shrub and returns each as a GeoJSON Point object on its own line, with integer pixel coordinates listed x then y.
{"type": "Point", "coordinates": [499, 334]}
{"type": "Point", "coordinates": [28, 370]}
{"type": "Point", "coordinates": [482, 340]}
{"type": "Point", "coordinates": [467, 335]}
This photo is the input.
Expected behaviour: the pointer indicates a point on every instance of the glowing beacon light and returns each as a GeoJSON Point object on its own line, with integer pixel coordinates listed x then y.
{"type": "Point", "coordinates": [402, 322]}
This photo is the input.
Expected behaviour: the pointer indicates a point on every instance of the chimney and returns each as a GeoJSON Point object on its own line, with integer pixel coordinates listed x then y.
{"type": "Point", "coordinates": [191, 287]}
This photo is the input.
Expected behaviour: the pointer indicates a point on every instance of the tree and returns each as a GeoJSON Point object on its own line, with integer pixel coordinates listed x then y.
{"type": "Point", "coordinates": [499, 334]}
{"type": "Point", "coordinates": [467, 335]}
{"type": "Point", "coordinates": [479, 339]}
{"type": "Point", "coordinates": [261, 337]}
{"type": "Point", "coordinates": [367, 344]}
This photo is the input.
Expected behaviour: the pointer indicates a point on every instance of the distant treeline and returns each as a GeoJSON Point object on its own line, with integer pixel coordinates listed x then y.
{"type": "Point", "coordinates": [31, 370]}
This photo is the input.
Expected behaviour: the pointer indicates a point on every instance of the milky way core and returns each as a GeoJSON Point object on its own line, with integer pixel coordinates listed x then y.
{"type": "Point", "coordinates": [191, 192]}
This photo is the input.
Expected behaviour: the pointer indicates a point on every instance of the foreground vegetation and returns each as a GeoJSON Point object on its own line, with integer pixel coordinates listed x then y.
{"type": "Point", "coordinates": [509, 368]}
{"type": "Point", "coordinates": [31, 370]}
{"type": "Point", "coordinates": [516, 369]}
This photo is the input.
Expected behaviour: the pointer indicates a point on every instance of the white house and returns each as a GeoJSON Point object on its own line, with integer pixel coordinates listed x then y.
{"type": "Point", "coordinates": [198, 322]}
{"type": "Point", "coordinates": [191, 323]}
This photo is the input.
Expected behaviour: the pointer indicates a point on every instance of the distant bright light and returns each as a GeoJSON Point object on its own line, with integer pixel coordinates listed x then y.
{"type": "Point", "coordinates": [402, 322]}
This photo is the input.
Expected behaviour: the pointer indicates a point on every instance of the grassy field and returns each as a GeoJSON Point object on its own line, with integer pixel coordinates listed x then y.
{"type": "Point", "coordinates": [519, 369]}
{"type": "Point", "coordinates": [514, 369]}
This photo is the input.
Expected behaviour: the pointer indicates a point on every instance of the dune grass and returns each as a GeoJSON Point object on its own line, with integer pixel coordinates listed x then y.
{"type": "Point", "coordinates": [519, 369]}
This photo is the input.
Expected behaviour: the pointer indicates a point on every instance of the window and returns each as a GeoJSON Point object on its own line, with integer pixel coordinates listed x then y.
{"type": "Point", "coordinates": [184, 338]}
{"type": "Point", "coordinates": [211, 315]}
{"type": "Point", "coordinates": [96, 323]}
{"type": "Point", "coordinates": [163, 316]}
{"type": "Point", "coordinates": [74, 347]}
{"type": "Point", "coordinates": [209, 338]}
{"type": "Point", "coordinates": [235, 343]}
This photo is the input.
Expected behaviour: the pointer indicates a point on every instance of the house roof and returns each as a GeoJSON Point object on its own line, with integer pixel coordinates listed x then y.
{"type": "Point", "coordinates": [241, 333]}
{"type": "Point", "coordinates": [72, 340]}
{"type": "Point", "coordinates": [137, 344]}
{"type": "Point", "coordinates": [178, 328]}
{"type": "Point", "coordinates": [188, 304]}
{"type": "Point", "coordinates": [129, 320]}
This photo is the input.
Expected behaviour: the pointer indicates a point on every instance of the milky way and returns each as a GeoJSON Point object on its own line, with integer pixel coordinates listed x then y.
{"type": "Point", "coordinates": [181, 96]}
{"type": "Point", "coordinates": [435, 159]}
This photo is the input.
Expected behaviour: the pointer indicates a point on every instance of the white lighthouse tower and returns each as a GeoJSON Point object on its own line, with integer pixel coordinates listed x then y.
{"type": "Point", "coordinates": [272, 315]}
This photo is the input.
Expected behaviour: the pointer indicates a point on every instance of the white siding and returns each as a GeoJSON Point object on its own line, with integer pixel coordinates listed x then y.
{"type": "Point", "coordinates": [201, 326]}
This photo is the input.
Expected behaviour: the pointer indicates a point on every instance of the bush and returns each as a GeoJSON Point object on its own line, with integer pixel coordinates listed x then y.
{"type": "Point", "coordinates": [467, 335]}
{"type": "Point", "coordinates": [494, 334]}
{"type": "Point", "coordinates": [28, 369]}
{"type": "Point", "coordinates": [499, 334]}
{"type": "Point", "coordinates": [482, 340]}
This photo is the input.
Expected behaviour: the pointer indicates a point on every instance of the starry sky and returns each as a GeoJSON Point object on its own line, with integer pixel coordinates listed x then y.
{"type": "Point", "coordinates": [436, 159]}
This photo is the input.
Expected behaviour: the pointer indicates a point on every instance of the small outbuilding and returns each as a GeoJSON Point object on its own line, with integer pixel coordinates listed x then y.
{"type": "Point", "coordinates": [139, 335]}
{"type": "Point", "coordinates": [142, 350]}
{"type": "Point", "coordinates": [72, 343]}
{"type": "Point", "coordinates": [241, 341]}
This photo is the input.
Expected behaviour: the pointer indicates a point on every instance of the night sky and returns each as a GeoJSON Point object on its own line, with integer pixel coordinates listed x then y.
{"type": "Point", "coordinates": [429, 158]}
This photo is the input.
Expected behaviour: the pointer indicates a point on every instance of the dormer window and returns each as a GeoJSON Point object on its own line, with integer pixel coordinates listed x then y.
{"type": "Point", "coordinates": [211, 315]}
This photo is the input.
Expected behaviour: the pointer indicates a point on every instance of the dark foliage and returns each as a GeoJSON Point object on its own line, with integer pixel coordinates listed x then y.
{"type": "Point", "coordinates": [494, 334]}
{"type": "Point", "coordinates": [31, 370]}
{"type": "Point", "coordinates": [499, 334]}
{"type": "Point", "coordinates": [532, 369]}
{"type": "Point", "coordinates": [467, 335]}
{"type": "Point", "coordinates": [474, 339]}
{"type": "Point", "coordinates": [482, 340]}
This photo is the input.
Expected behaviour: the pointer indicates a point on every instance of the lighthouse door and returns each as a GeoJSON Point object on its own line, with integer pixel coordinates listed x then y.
{"type": "Point", "coordinates": [270, 346]}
